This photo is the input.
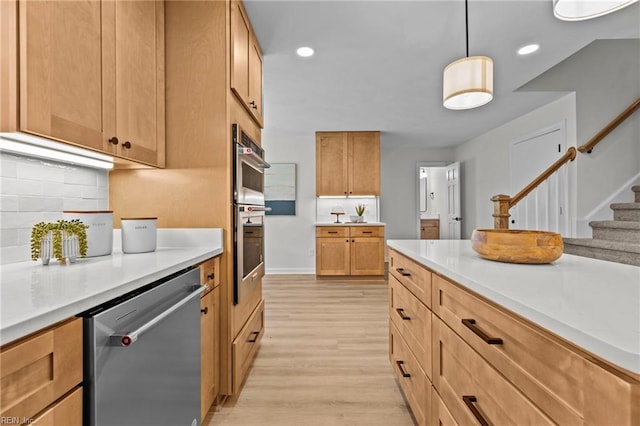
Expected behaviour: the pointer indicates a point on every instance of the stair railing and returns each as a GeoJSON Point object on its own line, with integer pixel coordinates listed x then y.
{"type": "Point", "coordinates": [503, 203]}
{"type": "Point", "coordinates": [588, 146]}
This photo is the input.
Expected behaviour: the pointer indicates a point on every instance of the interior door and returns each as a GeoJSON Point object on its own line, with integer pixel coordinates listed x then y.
{"type": "Point", "coordinates": [545, 208]}
{"type": "Point", "coordinates": [453, 201]}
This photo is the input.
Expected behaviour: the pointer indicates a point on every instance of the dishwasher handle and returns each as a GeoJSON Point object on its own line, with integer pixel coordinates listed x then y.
{"type": "Point", "coordinates": [129, 338]}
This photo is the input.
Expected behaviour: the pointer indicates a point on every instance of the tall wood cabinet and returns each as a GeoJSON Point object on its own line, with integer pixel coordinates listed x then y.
{"type": "Point", "coordinates": [347, 163]}
{"type": "Point", "coordinates": [349, 250]}
{"type": "Point", "coordinates": [201, 107]}
{"type": "Point", "coordinates": [246, 63]}
{"type": "Point", "coordinates": [89, 73]}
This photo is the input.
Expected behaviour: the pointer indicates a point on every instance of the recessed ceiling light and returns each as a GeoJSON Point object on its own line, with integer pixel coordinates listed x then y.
{"type": "Point", "coordinates": [305, 51]}
{"type": "Point", "coordinates": [528, 49]}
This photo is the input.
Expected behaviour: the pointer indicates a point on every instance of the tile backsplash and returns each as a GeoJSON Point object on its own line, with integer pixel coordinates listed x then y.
{"type": "Point", "coordinates": [34, 190]}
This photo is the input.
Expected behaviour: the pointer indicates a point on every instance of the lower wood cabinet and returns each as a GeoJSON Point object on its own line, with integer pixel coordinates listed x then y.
{"type": "Point", "coordinates": [349, 250]}
{"type": "Point", "coordinates": [246, 345]}
{"type": "Point", "coordinates": [38, 371]}
{"type": "Point", "coordinates": [209, 335]}
{"type": "Point", "coordinates": [490, 366]}
{"type": "Point", "coordinates": [210, 356]}
{"type": "Point", "coordinates": [430, 229]}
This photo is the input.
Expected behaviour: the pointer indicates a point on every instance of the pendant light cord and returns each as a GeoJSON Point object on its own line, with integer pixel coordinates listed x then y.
{"type": "Point", "coordinates": [466, 23]}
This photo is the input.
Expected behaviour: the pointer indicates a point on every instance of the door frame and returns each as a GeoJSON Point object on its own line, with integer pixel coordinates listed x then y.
{"type": "Point", "coordinates": [420, 164]}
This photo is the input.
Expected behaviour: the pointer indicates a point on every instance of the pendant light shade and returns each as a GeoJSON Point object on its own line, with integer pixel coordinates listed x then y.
{"type": "Point", "coordinates": [580, 10]}
{"type": "Point", "coordinates": [468, 82]}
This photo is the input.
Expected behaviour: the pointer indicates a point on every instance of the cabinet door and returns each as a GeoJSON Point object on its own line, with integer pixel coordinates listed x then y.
{"type": "Point", "coordinates": [139, 80]}
{"type": "Point", "coordinates": [255, 80]}
{"type": "Point", "coordinates": [332, 256]}
{"type": "Point", "coordinates": [367, 256]}
{"type": "Point", "coordinates": [208, 355]}
{"type": "Point", "coordinates": [61, 71]}
{"type": "Point", "coordinates": [331, 163]}
{"type": "Point", "coordinates": [364, 163]}
{"type": "Point", "coordinates": [240, 36]}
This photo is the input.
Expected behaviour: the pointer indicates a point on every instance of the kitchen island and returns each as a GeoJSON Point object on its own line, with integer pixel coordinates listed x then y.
{"type": "Point", "coordinates": [555, 343]}
{"type": "Point", "coordinates": [33, 296]}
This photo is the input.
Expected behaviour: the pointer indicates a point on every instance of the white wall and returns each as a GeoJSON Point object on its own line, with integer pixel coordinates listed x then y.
{"type": "Point", "coordinates": [290, 240]}
{"type": "Point", "coordinates": [606, 78]}
{"type": "Point", "coordinates": [34, 190]}
{"type": "Point", "coordinates": [399, 204]}
{"type": "Point", "coordinates": [485, 161]}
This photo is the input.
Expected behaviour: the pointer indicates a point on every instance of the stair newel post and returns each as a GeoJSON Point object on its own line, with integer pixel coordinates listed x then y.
{"type": "Point", "coordinates": [501, 205]}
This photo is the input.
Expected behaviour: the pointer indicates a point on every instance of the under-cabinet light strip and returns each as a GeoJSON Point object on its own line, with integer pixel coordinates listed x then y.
{"type": "Point", "coordinates": [34, 146]}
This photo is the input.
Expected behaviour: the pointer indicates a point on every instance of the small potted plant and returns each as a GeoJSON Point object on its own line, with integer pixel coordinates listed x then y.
{"type": "Point", "coordinates": [360, 208]}
{"type": "Point", "coordinates": [62, 240]}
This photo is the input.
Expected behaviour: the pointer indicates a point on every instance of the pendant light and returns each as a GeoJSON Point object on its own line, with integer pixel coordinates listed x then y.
{"type": "Point", "coordinates": [580, 10]}
{"type": "Point", "coordinates": [468, 82]}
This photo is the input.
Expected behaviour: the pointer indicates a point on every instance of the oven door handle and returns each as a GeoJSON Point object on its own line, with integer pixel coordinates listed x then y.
{"type": "Point", "coordinates": [250, 156]}
{"type": "Point", "coordinates": [257, 209]}
{"type": "Point", "coordinates": [128, 339]}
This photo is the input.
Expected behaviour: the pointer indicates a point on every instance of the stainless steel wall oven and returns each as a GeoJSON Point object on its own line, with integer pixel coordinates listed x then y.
{"type": "Point", "coordinates": [248, 190]}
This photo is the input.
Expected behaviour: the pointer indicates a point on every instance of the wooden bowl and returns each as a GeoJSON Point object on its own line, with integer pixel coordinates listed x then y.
{"type": "Point", "coordinates": [517, 246]}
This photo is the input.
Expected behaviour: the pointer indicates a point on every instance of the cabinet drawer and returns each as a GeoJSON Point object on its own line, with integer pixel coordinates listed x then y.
{"type": "Point", "coordinates": [413, 321]}
{"type": "Point", "coordinates": [413, 276]}
{"type": "Point", "coordinates": [367, 231]}
{"type": "Point", "coordinates": [413, 381]}
{"type": "Point", "coordinates": [440, 414]}
{"type": "Point", "coordinates": [67, 412]}
{"type": "Point", "coordinates": [550, 374]}
{"type": "Point", "coordinates": [332, 231]}
{"type": "Point", "coordinates": [246, 345]}
{"type": "Point", "coordinates": [473, 390]}
{"type": "Point", "coordinates": [40, 369]}
{"type": "Point", "coordinates": [209, 272]}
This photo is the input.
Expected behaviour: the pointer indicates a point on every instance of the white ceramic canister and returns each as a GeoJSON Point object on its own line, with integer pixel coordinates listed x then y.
{"type": "Point", "coordinates": [139, 234]}
{"type": "Point", "coordinates": [99, 232]}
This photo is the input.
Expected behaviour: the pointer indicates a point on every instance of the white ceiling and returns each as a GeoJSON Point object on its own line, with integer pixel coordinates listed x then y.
{"type": "Point", "coordinates": [378, 64]}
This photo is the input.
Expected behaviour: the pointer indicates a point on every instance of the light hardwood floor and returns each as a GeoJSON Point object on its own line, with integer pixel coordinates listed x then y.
{"type": "Point", "coordinates": [323, 360]}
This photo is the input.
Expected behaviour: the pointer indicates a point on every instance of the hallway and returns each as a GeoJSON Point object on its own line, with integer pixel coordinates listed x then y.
{"type": "Point", "coordinates": [323, 360]}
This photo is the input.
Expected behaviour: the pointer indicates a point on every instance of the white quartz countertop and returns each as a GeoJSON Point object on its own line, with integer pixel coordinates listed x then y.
{"type": "Point", "coordinates": [591, 303]}
{"type": "Point", "coordinates": [350, 224]}
{"type": "Point", "coordinates": [33, 296]}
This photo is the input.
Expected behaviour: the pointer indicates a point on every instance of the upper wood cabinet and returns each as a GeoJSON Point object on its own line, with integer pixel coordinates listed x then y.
{"type": "Point", "coordinates": [139, 79]}
{"type": "Point", "coordinates": [246, 63]}
{"type": "Point", "coordinates": [89, 73]}
{"type": "Point", "coordinates": [347, 163]}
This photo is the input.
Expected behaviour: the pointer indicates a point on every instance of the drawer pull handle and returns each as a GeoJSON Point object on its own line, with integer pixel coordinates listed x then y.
{"type": "Point", "coordinates": [332, 232]}
{"type": "Point", "coordinates": [402, 272]}
{"type": "Point", "coordinates": [367, 232]}
{"type": "Point", "coordinates": [404, 316]}
{"type": "Point", "coordinates": [205, 310]}
{"type": "Point", "coordinates": [210, 276]}
{"type": "Point", "coordinates": [401, 368]}
{"type": "Point", "coordinates": [471, 325]}
{"type": "Point", "coordinates": [255, 335]}
{"type": "Point", "coordinates": [469, 401]}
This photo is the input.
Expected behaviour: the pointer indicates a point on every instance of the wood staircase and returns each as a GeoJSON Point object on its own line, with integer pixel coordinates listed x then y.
{"type": "Point", "coordinates": [616, 240]}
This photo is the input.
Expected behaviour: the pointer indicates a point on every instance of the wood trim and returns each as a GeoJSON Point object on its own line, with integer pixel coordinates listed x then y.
{"type": "Point", "coordinates": [160, 87]}
{"type": "Point", "coordinates": [591, 143]}
{"type": "Point", "coordinates": [8, 66]}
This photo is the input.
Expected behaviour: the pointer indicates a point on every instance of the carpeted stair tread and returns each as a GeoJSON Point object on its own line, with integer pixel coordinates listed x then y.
{"type": "Point", "coordinates": [604, 244]}
{"type": "Point", "coordinates": [625, 206]}
{"type": "Point", "coordinates": [615, 224]}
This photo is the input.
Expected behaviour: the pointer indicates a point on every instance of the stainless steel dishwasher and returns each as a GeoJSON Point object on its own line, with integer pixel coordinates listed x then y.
{"type": "Point", "coordinates": [142, 356]}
